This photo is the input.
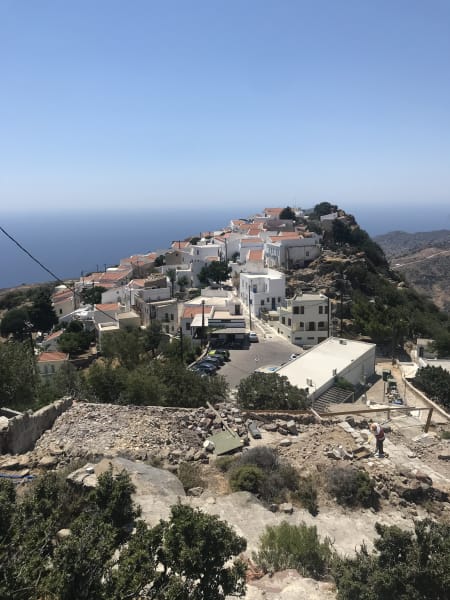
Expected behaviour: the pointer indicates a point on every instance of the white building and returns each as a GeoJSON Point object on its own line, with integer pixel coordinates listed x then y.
{"type": "Point", "coordinates": [305, 319]}
{"type": "Point", "coordinates": [262, 290]}
{"type": "Point", "coordinates": [292, 251]}
{"type": "Point", "coordinates": [318, 368]}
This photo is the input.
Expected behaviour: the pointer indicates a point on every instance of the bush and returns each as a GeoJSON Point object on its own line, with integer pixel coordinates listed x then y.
{"type": "Point", "coordinates": [306, 494]}
{"type": "Point", "coordinates": [404, 565]}
{"type": "Point", "coordinates": [351, 487]}
{"type": "Point", "coordinates": [445, 435]}
{"type": "Point", "coordinates": [248, 478]}
{"type": "Point", "coordinates": [298, 547]}
{"type": "Point", "coordinates": [278, 477]}
{"type": "Point", "coordinates": [225, 463]}
{"type": "Point", "coordinates": [263, 457]}
{"type": "Point", "coordinates": [190, 476]}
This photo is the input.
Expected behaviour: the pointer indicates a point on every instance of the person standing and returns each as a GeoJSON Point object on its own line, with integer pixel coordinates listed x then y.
{"type": "Point", "coordinates": [378, 432]}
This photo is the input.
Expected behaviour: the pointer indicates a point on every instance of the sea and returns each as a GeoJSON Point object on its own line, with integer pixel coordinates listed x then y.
{"type": "Point", "coordinates": [70, 244]}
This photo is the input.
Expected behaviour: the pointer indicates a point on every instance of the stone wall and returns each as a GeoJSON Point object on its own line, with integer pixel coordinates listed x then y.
{"type": "Point", "coordinates": [22, 431]}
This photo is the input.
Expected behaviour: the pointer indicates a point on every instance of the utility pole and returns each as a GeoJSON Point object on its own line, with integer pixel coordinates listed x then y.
{"type": "Point", "coordinates": [249, 306]}
{"type": "Point", "coordinates": [203, 324]}
{"type": "Point", "coordinates": [181, 343]}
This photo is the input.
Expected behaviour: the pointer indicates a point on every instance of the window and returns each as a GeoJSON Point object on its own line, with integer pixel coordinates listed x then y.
{"type": "Point", "coordinates": [268, 300]}
{"type": "Point", "coordinates": [188, 326]}
{"type": "Point", "coordinates": [302, 310]}
{"type": "Point", "coordinates": [302, 324]}
{"type": "Point", "coordinates": [321, 324]}
{"type": "Point", "coordinates": [279, 298]}
{"type": "Point", "coordinates": [307, 253]}
{"type": "Point", "coordinates": [171, 317]}
{"type": "Point", "coordinates": [262, 302]}
{"type": "Point", "coordinates": [320, 310]}
{"type": "Point", "coordinates": [289, 322]}
{"type": "Point", "coordinates": [283, 320]}
{"type": "Point", "coordinates": [60, 311]}
{"type": "Point", "coordinates": [326, 310]}
{"type": "Point", "coordinates": [295, 310]}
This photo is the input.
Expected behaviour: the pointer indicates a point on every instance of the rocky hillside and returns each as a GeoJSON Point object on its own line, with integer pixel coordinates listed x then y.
{"type": "Point", "coordinates": [401, 243]}
{"type": "Point", "coordinates": [423, 259]}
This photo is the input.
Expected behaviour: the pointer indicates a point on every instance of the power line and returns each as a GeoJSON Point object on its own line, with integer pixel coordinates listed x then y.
{"type": "Point", "coordinates": [58, 279]}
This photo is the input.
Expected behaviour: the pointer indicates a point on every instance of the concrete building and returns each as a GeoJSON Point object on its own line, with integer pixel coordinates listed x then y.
{"type": "Point", "coordinates": [318, 368]}
{"type": "Point", "coordinates": [264, 290]}
{"type": "Point", "coordinates": [292, 250]}
{"type": "Point", "coordinates": [305, 319]}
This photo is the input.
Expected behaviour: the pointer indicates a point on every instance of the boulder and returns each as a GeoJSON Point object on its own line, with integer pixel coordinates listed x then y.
{"type": "Point", "coordinates": [195, 491]}
{"type": "Point", "coordinates": [292, 427]}
{"type": "Point", "coordinates": [48, 461]}
{"type": "Point", "coordinates": [423, 477]}
{"type": "Point", "coordinates": [285, 443]}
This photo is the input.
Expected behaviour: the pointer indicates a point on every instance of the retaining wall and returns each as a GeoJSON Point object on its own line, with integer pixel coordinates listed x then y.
{"type": "Point", "coordinates": [24, 430]}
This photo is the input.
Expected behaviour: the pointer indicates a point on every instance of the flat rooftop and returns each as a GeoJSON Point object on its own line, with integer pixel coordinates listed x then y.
{"type": "Point", "coordinates": [319, 363]}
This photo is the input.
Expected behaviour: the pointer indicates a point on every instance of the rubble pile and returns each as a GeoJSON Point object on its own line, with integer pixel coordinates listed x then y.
{"type": "Point", "coordinates": [91, 431]}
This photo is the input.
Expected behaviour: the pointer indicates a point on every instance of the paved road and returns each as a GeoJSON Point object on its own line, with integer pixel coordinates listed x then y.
{"type": "Point", "coordinates": [270, 350]}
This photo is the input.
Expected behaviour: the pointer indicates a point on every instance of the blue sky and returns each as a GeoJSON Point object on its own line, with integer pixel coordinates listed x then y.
{"type": "Point", "coordinates": [213, 103]}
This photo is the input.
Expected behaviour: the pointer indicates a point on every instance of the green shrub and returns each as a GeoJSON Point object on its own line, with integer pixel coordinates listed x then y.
{"type": "Point", "coordinates": [298, 547]}
{"type": "Point", "coordinates": [352, 487]}
{"type": "Point", "coordinates": [306, 494]}
{"type": "Point", "coordinates": [278, 477]}
{"type": "Point", "coordinates": [248, 478]}
{"type": "Point", "coordinates": [263, 457]}
{"type": "Point", "coordinates": [445, 435]}
{"type": "Point", "coordinates": [225, 463]}
{"type": "Point", "coordinates": [189, 475]}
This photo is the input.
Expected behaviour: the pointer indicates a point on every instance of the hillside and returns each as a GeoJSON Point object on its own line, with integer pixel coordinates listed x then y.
{"type": "Point", "coordinates": [401, 243]}
{"type": "Point", "coordinates": [423, 259]}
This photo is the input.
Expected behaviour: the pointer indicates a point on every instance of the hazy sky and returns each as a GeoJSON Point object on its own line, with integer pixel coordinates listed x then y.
{"type": "Point", "coordinates": [248, 103]}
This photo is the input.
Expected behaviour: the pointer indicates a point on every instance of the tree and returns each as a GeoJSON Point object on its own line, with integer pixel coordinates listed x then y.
{"type": "Point", "coordinates": [125, 345]}
{"type": "Point", "coordinates": [18, 376]}
{"type": "Point", "coordinates": [404, 565]}
{"type": "Point", "coordinates": [160, 260]}
{"type": "Point", "coordinates": [42, 314]}
{"type": "Point", "coordinates": [172, 275]}
{"type": "Point", "coordinates": [192, 549]}
{"type": "Point", "coordinates": [324, 208]}
{"type": "Point", "coordinates": [183, 281]}
{"type": "Point", "coordinates": [75, 339]}
{"type": "Point", "coordinates": [435, 382]}
{"type": "Point", "coordinates": [153, 337]}
{"type": "Point", "coordinates": [287, 213]}
{"type": "Point", "coordinates": [262, 391]}
{"type": "Point", "coordinates": [92, 295]}
{"type": "Point", "coordinates": [217, 271]}
{"type": "Point", "coordinates": [14, 322]}
{"type": "Point", "coordinates": [105, 383]}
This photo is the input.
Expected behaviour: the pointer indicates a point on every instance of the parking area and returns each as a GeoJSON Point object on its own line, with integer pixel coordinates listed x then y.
{"type": "Point", "coordinates": [267, 351]}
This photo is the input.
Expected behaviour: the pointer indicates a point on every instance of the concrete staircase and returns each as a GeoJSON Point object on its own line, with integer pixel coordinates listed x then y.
{"type": "Point", "coordinates": [335, 395]}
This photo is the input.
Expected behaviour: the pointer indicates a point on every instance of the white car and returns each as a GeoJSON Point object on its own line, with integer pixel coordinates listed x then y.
{"type": "Point", "coordinates": [252, 337]}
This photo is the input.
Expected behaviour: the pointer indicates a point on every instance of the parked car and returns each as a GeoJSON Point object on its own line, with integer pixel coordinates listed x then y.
{"type": "Point", "coordinates": [254, 430]}
{"type": "Point", "coordinates": [225, 353]}
{"type": "Point", "coordinates": [210, 369]}
{"type": "Point", "coordinates": [252, 337]}
{"type": "Point", "coordinates": [219, 357]}
{"type": "Point", "coordinates": [208, 362]}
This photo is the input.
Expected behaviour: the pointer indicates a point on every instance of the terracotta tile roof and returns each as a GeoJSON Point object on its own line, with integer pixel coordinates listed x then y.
{"type": "Point", "coordinates": [255, 254]}
{"type": "Point", "coordinates": [251, 240]}
{"type": "Point", "coordinates": [52, 356]}
{"type": "Point", "coordinates": [62, 295]}
{"type": "Point", "coordinates": [254, 231]}
{"type": "Point", "coordinates": [180, 244]}
{"type": "Point", "coordinates": [110, 307]}
{"type": "Point", "coordinates": [137, 283]}
{"type": "Point", "coordinates": [54, 335]}
{"type": "Point", "coordinates": [191, 311]}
